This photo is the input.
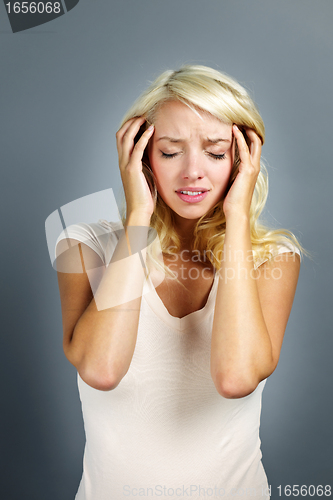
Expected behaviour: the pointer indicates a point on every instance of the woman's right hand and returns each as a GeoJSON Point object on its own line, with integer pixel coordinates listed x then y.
{"type": "Point", "coordinates": [139, 199]}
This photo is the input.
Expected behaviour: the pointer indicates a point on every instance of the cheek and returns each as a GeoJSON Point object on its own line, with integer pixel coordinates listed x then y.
{"type": "Point", "coordinates": [159, 171]}
{"type": "Point", "coordinates": [159, 167]}
{"type": "Point", "coordinates": [155, 167]}
{"type": "Point", "coordinates": [153, 158]}
{"type": "Point", "coordinates": [224, 174]}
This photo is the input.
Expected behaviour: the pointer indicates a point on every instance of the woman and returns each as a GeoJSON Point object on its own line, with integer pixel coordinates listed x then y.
{"type": "Point", "coordinates": [171, 378]}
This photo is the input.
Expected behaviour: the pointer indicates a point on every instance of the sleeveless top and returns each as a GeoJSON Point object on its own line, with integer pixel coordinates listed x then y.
{"type": "Point", "coordinates": [165, 432]}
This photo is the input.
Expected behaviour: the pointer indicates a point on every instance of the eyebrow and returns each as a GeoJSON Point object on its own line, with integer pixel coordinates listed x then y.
{"type": "Point", "coordinates": [215, 141]}
{"type": "Point", "coordinates": [173, 139]}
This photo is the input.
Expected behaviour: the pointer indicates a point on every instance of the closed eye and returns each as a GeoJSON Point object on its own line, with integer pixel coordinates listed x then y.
{"type": "Point", "coordinates": [166, 155]}
{"type": "Point", "coordinates": [218, 157]}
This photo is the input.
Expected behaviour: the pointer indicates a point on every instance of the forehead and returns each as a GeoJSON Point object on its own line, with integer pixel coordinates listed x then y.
{"type": "Point", "coordinates": [176, 117]}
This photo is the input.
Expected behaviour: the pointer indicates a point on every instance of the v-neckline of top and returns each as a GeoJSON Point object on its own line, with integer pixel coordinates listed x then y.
{"type": "Point", "coordinates": [181, 324]}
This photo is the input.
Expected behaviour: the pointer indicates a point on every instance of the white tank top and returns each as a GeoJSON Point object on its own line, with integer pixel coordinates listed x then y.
{"type": "Point", "coordinates": [165, 432]}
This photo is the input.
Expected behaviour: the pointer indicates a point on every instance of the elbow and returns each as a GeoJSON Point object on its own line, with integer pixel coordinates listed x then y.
{"type": "Point", "coordinates": [93, 374]}
{"type": "Point", "coordinates": [235, 387]}
{"type": "Point", "coordinates": [99, 382]}
{"type": "Point", "coordinates": [102, 380]}
{"type": "Point", "coordinates": [234, 383]}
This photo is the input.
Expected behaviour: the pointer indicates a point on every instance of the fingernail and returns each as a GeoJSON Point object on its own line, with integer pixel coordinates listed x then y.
{"type": "Point", "coordinates": [151, 127]}
{"type": "Point", "coordinates": [236, 126]}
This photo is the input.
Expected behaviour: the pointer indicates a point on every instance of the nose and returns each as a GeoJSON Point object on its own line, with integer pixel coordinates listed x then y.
{"type": "Point", "coordinates": [192, 168]}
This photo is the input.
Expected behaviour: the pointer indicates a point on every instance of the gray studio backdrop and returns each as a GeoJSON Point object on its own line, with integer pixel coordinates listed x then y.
{"type": "Point", "coordinates": [65, 86]}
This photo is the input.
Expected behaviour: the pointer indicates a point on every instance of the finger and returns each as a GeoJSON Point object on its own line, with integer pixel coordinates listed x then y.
{"type": "Point", "coordinates": [130, 134]}
{"type": "Point", "coordinates": [126, 144]}
{"type": "Point", "coordinates": [243, 149]}
{"type": "Point", "coordinates": [255, 146]}
{"type": "Point", "coordinates": [131, 125]}
{"type": "Point", "coordinates": [120, 133]}
{"type": "Point", "coordinates": [141, 145]}
{"type": "Point", "coordinates": [119, 138]}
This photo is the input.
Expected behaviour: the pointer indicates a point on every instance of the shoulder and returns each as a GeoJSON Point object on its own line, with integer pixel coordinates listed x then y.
{"type": "Point", "coordinates": [91, 230]}
{"type": "Point", "coordinates": [101, 236]}
{"type": "Point", "coordinates": [286, 247]}
{"type": "Point", "coordinates": [280, 252]}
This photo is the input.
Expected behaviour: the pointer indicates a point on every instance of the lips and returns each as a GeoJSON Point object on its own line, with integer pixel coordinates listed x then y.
{"type": "Point", "coordinates": [191, 194]}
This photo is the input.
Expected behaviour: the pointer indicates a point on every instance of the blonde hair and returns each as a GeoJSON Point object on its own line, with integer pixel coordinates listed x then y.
{"type": "Point", "coordinates": [206, 89]}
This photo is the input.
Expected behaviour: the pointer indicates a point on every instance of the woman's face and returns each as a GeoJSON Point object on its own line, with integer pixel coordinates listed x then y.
{"type": "Point", "coordinates": [191, 157]}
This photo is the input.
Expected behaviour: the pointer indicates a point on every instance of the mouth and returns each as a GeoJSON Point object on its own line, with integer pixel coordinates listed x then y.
{"type": "Point", "coordinates": [192, 195]}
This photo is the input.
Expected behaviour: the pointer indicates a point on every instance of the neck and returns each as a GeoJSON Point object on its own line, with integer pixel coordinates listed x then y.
{"type": "Point", "coordinates": [185, 229]}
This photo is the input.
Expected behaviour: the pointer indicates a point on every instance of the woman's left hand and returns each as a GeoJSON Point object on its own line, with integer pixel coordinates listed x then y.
{"type": "Point", "coordinates": [239, 197]}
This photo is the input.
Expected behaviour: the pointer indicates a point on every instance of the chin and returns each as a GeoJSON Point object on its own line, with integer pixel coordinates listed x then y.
{"type": "Point", "coordinates": [191, 214]}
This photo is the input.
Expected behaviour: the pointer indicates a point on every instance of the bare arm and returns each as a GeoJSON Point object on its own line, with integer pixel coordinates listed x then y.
{"type": "Point", "coordinates": [252, 307]}
{"type": "Point", "coordinates": [100, 330]}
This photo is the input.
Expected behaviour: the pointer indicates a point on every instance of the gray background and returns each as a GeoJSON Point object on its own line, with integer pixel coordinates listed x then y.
{"type": "Point", "coordinates": [64, 88]}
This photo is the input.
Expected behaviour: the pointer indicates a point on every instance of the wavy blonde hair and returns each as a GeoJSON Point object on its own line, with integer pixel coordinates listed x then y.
{"type": "Point", "coordinates": [205, 89]}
